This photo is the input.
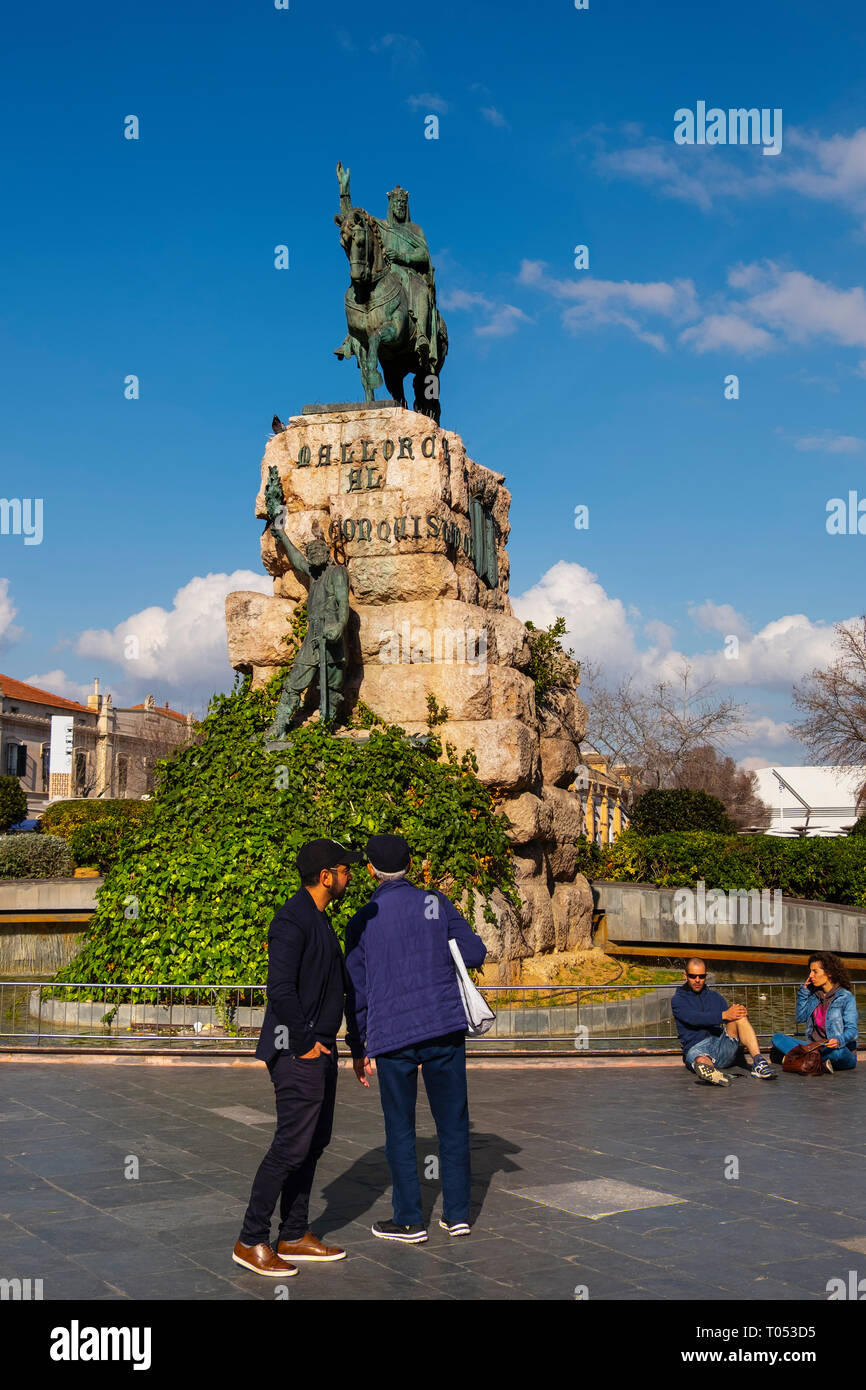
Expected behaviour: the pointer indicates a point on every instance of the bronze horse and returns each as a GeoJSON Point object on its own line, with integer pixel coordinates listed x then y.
{"type": "Point", "coordinates": [382, 330]}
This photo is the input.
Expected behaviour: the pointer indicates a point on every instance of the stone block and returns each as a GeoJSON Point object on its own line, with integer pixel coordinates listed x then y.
{"type": "Point", "coordinates": [504, 939]}
{"type": "Point", "coordinates": [398, 694]}
{"type": "Point", "coordinates": [537, 917]}
{"type": "Point", "coordinates": [422, 630]}
{"type": "Point", "coordinates": [383, 579]}
{"type": "Point", "coordinates": [255, 626]}
{"type": "Point", "coordinates": [559, 758]}
{"type": "Point", "coordinates": [572, 915]}
{"type": "Point", "coordinates": [529, 861]}
{"type": "Point", "coordinates": [512, 695]}
{"type": "Point", "coordinates": [531, 818]}
{"type": "Point", "coordinates": [562, 858]}
{"type": "Point", "coordinates": [566, 814]}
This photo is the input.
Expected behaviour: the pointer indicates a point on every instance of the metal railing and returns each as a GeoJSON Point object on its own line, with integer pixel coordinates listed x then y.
{"type": "Point", "coordinates": [559, 1020]}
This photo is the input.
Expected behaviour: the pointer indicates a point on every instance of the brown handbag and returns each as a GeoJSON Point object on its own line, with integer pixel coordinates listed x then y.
{"type": "Point", "coordinates": [806, 1060]}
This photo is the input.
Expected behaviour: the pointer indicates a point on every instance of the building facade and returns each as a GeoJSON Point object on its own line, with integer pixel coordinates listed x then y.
{"type": "Point", "coordinates": [114, 748]}
{"type": "Point", "coordinates": [604, 797]}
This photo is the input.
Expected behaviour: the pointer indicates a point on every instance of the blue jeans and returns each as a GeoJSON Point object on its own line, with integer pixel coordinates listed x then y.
{"type": "Point", "coordinates": [842, 1058]}
{"type": "Point", "coordinates": [723, 1050]}
{"type": "Point", "coordinates": [443, 1067]}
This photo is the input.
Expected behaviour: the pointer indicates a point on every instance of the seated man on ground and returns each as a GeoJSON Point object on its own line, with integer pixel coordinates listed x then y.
{"type": "Point", "coordinates": [826, 1004]}
{"type": "Point", "coordinates": [713, 1035]}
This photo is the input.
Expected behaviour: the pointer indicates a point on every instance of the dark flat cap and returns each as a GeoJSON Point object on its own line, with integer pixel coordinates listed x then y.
{"type": "Point", "coordinates": [388, 853]}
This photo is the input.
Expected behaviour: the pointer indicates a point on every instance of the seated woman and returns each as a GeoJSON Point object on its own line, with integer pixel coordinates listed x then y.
{"type": "Point", "coordinates": [827, 1002]}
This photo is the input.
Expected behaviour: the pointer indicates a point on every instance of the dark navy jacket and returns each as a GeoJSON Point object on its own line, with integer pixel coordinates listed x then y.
{"type": "Point", "coordinates": [402, 982]}
{"type": "Point", "coordinates": [306, 980]}
{"type": "Point", "coordinates": [697, 1016]}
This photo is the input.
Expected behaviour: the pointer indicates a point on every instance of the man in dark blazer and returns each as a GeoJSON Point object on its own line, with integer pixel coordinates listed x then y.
{"type": "Point", "coordinates": [306, 995]}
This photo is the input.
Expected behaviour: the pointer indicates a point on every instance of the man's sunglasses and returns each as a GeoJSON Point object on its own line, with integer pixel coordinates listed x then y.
{"type": "Point", "coordinates": [697, 977]}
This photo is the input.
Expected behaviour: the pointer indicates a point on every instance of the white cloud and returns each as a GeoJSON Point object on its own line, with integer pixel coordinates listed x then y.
{"type": "Point", "coordinates": [400, 48]}
{"type": "Point", "coordinates": [598, 626]}
{"type": "Point", "coordinates": [494, 117]}
{"type": "Point", "coordinates": [727, 331]}
{"type": "Point", "coordinates": [801, 308]}
{"type": "Point", "coordinates": [428, 101]}
{"type": "Point", "coordinates": [718, 617]}
{"type": "Point", "coordinates": [781, 307]}
{"type": "Point", "coordinates": [9, 633]}
{"type": "Point", "coordinates": [754, 763]}
{"type": "Point", "coordinates": [782, 652]}
{"type": "Point", "coordinates": [58, 683]}
{"type": "Point", "coordinates": [595, 303]}
{"type": "Point", "coordinates": [837, 171]}
{"type": "Point", "coordinates": [700, 174]}
{"type": "Point", "coordinates": [830, 170]}
{"type": "Point", "coordinates": [761, 730]}
{"type": "Point", "coordinates": [501, 319]}
{"type": "Point", "coordinates": [183, 647]}
{"type": "Point", "coordinates": [830, 444]}
{"type": "Point", "coordinates": [601, 629]}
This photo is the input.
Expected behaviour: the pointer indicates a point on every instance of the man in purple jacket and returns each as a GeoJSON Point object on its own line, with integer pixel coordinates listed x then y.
{"type": "Point", "coordinates": [403, 1007]}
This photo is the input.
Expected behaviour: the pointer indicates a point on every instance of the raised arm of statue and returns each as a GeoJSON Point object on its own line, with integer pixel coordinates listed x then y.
{"type": "Point", "coordinates": [345, 195]}
{"type": "Point", "coordinates": [275, 504]}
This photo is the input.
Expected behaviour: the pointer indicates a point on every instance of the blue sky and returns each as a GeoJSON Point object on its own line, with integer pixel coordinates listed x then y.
{"type": "Point", "coordinates": [602, 387]}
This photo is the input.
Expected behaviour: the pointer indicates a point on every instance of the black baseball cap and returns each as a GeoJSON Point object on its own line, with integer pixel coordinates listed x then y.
{"type": "Point", "coordinates": [324, 854]}
{"type": "Point", "coordinates": [388, 853]}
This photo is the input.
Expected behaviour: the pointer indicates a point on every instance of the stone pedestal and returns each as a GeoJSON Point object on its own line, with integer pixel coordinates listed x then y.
{"type": "Point", "coordinates": [423, 530]}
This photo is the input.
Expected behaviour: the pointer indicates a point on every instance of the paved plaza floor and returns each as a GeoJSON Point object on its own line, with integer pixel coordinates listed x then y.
{"type": "Point", "coordinates": [603, 1182]}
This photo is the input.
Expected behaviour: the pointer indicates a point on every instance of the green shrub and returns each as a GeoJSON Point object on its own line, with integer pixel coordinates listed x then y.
{"type": "Point", "coordinates": [34, 856]}
{"type": "Point", "coordinates": [96, 845]}
{"type": "Point", "coordinates": [823, 870]}
{"type": "Point", "coordinates": [859, 827]}
{"type": "Point", "coordinates": [657, 811]}
{"type": "Point", "coordinates": [13, 802]}
{"type": "Point", "coordinates": [62, 817]}
{"type": "Point", "coordinates": [193, 890]}
{"type": "Point", "coordinates": [551, 666]}
{"type": "Point", "coordinates": [95, 830]}
{"type": "Point", "coordinates": [590, 858]}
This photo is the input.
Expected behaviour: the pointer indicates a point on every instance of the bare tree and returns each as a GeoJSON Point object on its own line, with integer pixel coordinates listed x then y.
{"type": "Point", "coordinates": [650, 731]}
{"type": "Point", "coordinates": [703, 770]}
{"type": "Point", "coordinates": [834, 701]}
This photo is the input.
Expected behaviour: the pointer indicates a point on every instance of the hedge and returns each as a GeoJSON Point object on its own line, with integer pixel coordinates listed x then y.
{"type": "Point", "coordinates": [34, 856]}
{"type": "Point", "coordinates": [95, 830]}
{"type": "Point", "coordinates": [824, 870]}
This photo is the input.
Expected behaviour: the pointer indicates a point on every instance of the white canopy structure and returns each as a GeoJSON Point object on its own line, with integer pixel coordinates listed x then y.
{"type": "Point", "coordinates": [811, 800]}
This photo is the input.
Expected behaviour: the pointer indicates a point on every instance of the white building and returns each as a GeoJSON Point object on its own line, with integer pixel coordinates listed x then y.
{"type": "Point", "coordinates": [811, 800]}
{"type": "Point", "coordinates": [115, 748]}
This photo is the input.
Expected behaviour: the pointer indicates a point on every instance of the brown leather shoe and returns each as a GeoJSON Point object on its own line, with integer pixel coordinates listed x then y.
{"type": "Point", "coordinates": [262, 1260]}
{"type": "Point", "coordinates": [309, 1248]}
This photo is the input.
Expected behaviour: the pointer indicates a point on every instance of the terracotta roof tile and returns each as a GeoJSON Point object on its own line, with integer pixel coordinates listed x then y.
{"type": "Point", "coordinates": [31, 694]}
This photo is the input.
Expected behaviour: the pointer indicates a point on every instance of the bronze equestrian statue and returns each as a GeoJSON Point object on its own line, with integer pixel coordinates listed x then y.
{"type": "Point", "coordinates": [391, 308]}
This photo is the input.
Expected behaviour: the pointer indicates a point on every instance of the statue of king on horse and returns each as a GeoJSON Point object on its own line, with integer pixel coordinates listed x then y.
{"type": "Point", "coordinates": [391, 311]}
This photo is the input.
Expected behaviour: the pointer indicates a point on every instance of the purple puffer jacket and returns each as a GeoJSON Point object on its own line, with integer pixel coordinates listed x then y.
{"type": "Point", "coordinates": [402, 985]}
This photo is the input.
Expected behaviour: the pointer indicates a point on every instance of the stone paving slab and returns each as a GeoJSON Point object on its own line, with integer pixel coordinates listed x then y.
{"type": "Point", "coordinates": [757, 1190]}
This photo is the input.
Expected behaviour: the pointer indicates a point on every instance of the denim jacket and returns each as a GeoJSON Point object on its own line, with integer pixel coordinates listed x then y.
{"type": "Point", "coordinates": [841, 1021]}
